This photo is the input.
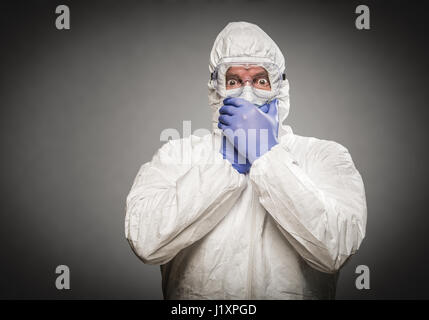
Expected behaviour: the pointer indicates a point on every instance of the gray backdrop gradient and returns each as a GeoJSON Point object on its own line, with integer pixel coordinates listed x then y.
{"type": "Point", "coordinates": [82, 110]}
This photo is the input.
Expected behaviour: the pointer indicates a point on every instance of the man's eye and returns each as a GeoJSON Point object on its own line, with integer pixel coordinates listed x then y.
{"type": "Point", "coordinates": [231, 82]}
{"type": "Point", "coordinates": [262, 82]}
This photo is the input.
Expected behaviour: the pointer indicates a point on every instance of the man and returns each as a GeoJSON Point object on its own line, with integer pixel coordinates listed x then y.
{"type": "Point", "coordinates": [251, 211]}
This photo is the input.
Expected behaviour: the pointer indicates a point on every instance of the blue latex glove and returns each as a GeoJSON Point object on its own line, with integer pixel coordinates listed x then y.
{"type": "Point", "coordinates": [259, 126]}
{"type": "Point", "coordinates": [239, 163]}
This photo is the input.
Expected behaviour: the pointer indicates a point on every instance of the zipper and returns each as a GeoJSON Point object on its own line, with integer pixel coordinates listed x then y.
{"type": "Point", "coordinates": [251, 253]}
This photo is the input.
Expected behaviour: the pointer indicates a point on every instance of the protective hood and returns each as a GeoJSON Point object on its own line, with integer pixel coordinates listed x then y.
{"type": "Point", "coordinates": [243, 42]}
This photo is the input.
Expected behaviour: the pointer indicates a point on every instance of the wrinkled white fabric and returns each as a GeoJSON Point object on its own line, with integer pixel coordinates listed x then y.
{"type": "Point", "coordinates": [281, 232]}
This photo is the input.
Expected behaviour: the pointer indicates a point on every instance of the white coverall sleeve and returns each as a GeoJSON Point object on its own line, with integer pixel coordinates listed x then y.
{"type": "Point", "coordinates": [171, 204]}
{"type": "Point", "coordinates": [320, 208]}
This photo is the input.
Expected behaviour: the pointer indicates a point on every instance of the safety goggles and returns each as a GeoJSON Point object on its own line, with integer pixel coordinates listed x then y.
{"type": "Point", "coordinates": [264, 77]}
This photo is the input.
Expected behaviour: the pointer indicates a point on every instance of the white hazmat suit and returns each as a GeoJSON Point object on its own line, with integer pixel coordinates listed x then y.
{"type": "Point", "coordinates": [280, 232]}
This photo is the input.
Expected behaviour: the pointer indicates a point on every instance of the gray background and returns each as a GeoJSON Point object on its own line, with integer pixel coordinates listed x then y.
{"type": "Point", "coordinates": [82, 109]}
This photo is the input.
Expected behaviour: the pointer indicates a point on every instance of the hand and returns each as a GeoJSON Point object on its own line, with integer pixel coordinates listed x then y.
{"type": "Point", "coordinates": [253, 131]}
{"type": "Point", "coordinates": [238, 162]}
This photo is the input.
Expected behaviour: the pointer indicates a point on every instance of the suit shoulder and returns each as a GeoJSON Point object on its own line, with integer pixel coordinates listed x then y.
{"type": "Point", "coordinates": [312, 144]}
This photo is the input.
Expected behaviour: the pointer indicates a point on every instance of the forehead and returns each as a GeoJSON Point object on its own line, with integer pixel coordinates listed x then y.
{"type": "Point", "coordinates": [242, 70]}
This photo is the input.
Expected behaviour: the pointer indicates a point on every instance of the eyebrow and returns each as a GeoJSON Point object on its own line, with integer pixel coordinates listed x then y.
{"type": "Point", "coordinates": [234, 76]}
{"type": "Point", "coordinates": [260, 74]}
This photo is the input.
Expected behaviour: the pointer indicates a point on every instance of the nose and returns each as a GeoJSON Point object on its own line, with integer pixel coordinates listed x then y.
{"type": "Point", "coordinates": [248, 80]}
